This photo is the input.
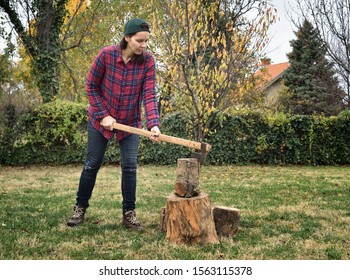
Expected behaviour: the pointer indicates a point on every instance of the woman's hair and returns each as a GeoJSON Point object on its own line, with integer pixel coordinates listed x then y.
{"type": "Point", "coordinates": [140, 58]}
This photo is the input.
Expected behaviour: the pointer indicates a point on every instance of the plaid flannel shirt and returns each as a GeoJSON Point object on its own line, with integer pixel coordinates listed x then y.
{"type": "Point", "coordinates": [117, 89]}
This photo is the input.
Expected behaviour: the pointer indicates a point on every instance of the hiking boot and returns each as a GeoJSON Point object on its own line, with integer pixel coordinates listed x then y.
{"type": "Point", "coordinates": [77, 217]}
{"type": "Point", "coordinates": [130, 221]}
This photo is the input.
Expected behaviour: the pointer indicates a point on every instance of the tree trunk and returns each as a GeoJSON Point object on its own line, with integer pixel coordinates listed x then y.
{"type": "Point", "coordinates": [190, 220]}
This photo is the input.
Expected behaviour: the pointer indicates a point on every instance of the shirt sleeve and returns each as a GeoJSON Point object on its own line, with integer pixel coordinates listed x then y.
{"type": "Point", "coordinates": [97, 107]}
{"type": "Point", "coordinates": [149, 95]}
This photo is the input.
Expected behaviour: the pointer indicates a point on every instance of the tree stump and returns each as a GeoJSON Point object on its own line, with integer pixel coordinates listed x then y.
{"type": "Point", "coordinates": [226, 220]}
{"type": "Point", "coordinates": [190, 220]}
{"type": "Point", "coordinates": [187, 177]}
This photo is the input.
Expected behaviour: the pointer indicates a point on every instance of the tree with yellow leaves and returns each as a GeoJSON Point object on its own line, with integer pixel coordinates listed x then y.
{"type": "Point", "coordinates": [45, 31]}
{"type": "Point", "coordinates": [207, 51]}
{"type": "Point", "coordinates": [38, 25]}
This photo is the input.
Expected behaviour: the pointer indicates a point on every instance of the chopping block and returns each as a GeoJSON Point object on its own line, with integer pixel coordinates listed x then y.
{"type": "Point", "coordinates": [188, 214]}
{"type": "Point", "coordinates": [189, 217]}
{"type": "Point", "coordinates": [190, 220]}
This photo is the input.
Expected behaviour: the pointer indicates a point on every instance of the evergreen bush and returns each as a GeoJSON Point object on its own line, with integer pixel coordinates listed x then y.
{"type": "Point", "coordinates": [55, 133]}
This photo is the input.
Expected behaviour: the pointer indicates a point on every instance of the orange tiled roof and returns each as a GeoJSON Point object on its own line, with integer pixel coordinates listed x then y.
{"type": "Point", "coordinates": [272, 72]}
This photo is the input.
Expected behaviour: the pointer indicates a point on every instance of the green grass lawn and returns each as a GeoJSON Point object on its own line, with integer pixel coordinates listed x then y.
{"type": "Point", "coordinates": [294, 212]}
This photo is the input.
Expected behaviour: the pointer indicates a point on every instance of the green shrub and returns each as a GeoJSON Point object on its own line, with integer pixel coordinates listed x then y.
{"type": "Point", "coordinates": [56, 133]}
{"type": "Point", "coordinates": [52, 133]}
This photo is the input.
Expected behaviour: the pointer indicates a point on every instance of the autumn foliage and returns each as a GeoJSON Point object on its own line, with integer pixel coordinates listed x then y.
{"type": "Point", "coordinates": [207, 54]}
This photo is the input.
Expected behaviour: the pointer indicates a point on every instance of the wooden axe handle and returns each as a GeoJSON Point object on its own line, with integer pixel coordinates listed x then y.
{"type": "Point", "coordinates": [161, 137]}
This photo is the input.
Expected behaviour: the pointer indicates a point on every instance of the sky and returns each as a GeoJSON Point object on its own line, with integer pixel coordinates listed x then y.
{"type": "Point", "coordinates": [281, 33]}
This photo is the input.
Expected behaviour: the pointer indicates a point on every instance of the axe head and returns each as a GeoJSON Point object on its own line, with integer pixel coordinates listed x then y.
{"type": "Point", "coordinates": [201, 154]}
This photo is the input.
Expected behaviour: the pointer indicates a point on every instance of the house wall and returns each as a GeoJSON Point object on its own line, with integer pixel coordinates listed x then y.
{"type": "Point", "coordinates": [272, 91]}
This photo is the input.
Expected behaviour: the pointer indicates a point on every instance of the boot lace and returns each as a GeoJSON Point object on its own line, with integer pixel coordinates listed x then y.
{"type": "Point", "coordinates": [78, 213]}
{"type": "Point", "coordinates": [131, 218]}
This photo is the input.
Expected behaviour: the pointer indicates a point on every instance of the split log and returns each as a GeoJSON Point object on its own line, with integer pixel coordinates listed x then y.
{"type": "Point", "coordinates": [163, 219]}
{"type": "Point", "coordinates": [187, 177]}
{"type": "Point", "coordinates": [226, 220]}
{"type": "Point", "coordinates": [190, 220]}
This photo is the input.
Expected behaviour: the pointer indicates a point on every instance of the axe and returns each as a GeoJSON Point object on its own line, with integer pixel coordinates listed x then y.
{"type": "Point", "coordinates": [201, 149]}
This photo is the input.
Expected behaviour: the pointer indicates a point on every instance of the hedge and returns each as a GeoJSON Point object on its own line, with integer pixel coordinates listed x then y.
{"type": "Point", "coordinates": [55, 133]}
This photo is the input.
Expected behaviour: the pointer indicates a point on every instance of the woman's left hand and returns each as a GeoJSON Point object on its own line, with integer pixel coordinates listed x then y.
{"type": "Point", "coordinates": [154, 136]}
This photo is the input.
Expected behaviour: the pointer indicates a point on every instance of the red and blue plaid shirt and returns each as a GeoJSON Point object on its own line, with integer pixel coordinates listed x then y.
{"type": "Point", "coordinates": [117, 89]}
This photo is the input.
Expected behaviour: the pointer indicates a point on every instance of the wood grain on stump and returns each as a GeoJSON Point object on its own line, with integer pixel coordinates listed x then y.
{"type": "Point", "coordinates": [190, 220]}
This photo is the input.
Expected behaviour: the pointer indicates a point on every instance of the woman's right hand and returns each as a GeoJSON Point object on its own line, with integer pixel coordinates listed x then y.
{"type": "Point", "coordinates": [107, 122]}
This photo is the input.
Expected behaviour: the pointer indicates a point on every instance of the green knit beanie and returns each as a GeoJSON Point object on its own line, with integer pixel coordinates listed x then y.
{"type": "Point", "coordinates": [135, 25]}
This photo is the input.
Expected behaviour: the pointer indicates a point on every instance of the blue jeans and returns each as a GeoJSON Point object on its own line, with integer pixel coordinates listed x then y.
{"type": "Point", "coordinates": [96, 148]}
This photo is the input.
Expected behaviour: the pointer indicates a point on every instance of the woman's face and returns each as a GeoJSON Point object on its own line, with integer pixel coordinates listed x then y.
{"type": "Point", "coordinates": [138, 42]}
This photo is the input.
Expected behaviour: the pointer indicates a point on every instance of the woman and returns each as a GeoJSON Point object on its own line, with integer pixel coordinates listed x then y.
{"type": "Point", "coordinates": [119, 80]}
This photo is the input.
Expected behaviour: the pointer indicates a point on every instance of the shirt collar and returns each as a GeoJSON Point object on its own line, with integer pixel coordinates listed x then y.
{"type": "Point", "coordinates": [119, 55]}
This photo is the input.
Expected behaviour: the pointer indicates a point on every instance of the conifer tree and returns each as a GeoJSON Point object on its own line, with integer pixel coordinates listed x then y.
{"type": "Point", "coordinates": [310, 78]}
